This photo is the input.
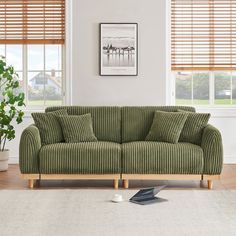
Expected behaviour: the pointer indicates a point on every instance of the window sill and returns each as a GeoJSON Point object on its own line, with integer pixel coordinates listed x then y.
{"type": "Point", "coordinates": [219, 111]}
{"type": "Point", "coordinates": [216, 112]}
{"type": "Point", "coordinates": [28, 111]}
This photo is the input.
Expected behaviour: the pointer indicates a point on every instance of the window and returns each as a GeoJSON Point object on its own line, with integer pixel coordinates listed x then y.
{"type": "Point", "coordinates": [40, 71]}
{"type": "Point", "coordinates": [31, 39]}
{"type": "Point", "coordinates": [203, 51]}
{"type": "Point", "coordinates": [192, 88]}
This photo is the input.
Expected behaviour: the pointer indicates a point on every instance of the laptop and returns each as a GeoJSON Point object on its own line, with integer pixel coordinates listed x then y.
{"type": "Point", "coordinates": [147, 196]}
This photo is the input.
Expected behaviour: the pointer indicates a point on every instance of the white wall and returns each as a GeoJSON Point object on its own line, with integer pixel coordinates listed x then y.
{"type": "Point", "coordinates": [149, 87]}
{"type": "Point", "coordinates": [225, 120]}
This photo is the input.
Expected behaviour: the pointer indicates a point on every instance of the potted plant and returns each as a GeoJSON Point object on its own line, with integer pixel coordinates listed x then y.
{"type": "Point", "coordinates": [11, 99]}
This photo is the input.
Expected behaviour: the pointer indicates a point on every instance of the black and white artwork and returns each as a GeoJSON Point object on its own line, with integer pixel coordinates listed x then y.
{"type": "Point", "coordinates": [118, 48]}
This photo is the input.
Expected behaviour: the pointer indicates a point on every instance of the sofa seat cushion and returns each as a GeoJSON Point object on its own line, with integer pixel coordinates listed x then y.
{"type": "Point", "coordinates": [80, 158]}
{"type": "Point", "coordinates": [145, 157]}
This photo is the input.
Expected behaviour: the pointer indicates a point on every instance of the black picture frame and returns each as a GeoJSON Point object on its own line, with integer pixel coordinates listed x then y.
{"type": "Point", "coordinates": [121, 59]}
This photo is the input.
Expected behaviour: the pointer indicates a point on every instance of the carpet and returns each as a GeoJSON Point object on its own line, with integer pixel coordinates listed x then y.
{"type": "Point", "coordinates": [90, 212]}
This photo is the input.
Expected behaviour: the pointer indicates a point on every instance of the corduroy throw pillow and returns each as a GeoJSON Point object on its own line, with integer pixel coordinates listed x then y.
{"type": "Point", "coordinates": [49, 126]}
{"type": "Point", "coordinates": [193, 127]}
{"type": "Point", "coordinates": [77, 128]}
{"type": "Point", "coordinates": [166, 126]}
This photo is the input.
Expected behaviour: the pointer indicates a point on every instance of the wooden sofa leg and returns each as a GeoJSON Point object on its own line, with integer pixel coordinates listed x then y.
{"type": "Point", "coordinates": [126, 183]}
{"type": "Point", "coordinates": [116, 183]}
{"type": "Point", "coordinates": [210, 184]}
{"type": "Point", "coordinates": [31, 183]}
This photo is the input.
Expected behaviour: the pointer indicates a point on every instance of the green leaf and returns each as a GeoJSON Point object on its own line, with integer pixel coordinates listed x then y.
{"type": "Point", "coordinates": [10, 101]}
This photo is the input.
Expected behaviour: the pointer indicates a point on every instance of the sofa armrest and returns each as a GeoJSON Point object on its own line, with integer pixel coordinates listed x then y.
{"type": "Point", "coordinates": [30, 144]}
{"type": "Point", "coordinates": [212, 150]}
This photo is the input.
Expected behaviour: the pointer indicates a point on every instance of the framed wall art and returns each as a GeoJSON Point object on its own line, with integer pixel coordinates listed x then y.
{"type": "Point", "coordinates": [118, 49]}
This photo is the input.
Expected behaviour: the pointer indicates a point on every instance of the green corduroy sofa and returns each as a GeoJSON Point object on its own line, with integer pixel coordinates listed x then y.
{"type": "Point", "coordinates": [121, 152]}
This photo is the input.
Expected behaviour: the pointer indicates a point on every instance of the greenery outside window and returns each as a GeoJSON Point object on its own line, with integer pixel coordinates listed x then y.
{"type": "Point", "coordinates": [203, 50]}
{"type": "Point", "coordinates": [40, 70]}
{"type": "Point", "coordinates": [205, 88]}
{"type": "Point", "coordinates": [32, 36]}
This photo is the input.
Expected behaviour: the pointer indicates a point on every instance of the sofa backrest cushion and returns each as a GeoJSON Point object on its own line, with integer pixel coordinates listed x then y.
{"type": "Point", "coordinates": [137, 121]}
{"type": "Point", "coordinates": [106, 120]}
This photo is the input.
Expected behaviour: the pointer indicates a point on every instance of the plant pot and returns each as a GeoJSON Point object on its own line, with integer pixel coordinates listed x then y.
{"type": "Point", "coordinates": [4, 157]}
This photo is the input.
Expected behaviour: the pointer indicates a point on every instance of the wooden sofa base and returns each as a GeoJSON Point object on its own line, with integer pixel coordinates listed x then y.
{"type": "Point", "coordinates": [209, 178]}
{"type": "Point", "coordinates": [32, 177]}
{"type": "Point", "coordinates": [115, 177]}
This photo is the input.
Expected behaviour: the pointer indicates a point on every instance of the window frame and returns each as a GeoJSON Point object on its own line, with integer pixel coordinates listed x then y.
{"type": "Point", "coordinates": [216, 110]}
{"type": "Point", "coordinates": [212, 103]}
{"type": "Point", "coordinates": [25, 72]}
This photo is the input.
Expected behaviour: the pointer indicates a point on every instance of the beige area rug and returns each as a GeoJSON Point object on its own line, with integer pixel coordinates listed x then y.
{"type": "Point", "coordinates": [90, 212]}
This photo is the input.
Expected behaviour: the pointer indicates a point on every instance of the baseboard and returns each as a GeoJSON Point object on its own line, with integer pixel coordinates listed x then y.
{"type": "Point", "coordinates": [230, 159]}
{"type": "Point", "coordinates": [13, 160]}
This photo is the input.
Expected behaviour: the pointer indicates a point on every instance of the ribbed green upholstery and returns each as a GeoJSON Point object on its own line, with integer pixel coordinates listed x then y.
{"type": "Point", "coordinates": [213, 150]}
{"type": "Point", "coordinates": [77, 128]}
{"type": "Point", "coordinates": [167, 126]}
{"type": "Point", "coordinates": [193, 127]}
{"type": "Point", "coordinates": [49, 126]}
{"type": "Point", "coordinates": [161, 158]}
{"type": "Point", "coordinates": [30, 145]}
{"type": "Point", "coordinates": [106, 120]}
{"type": "Point", "coordinates": [107, 158]}
{"type": "Point", "coordinates": [137, 121]}
{"type": "Point", "coordinates": [80, 158]}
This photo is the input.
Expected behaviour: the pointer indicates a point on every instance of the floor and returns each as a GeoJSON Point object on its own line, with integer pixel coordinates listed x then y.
{"type": "Point", "coordinates": [11, 179]}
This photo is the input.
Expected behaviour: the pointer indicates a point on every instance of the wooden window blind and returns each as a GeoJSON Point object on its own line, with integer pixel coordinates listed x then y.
{"type": "Point", "coordinates": [32, 21]}
{"type": "Point", "coordinates": [203, 35]}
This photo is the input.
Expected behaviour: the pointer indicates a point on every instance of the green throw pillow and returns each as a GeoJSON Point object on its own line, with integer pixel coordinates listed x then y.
{"type": "Point", "coordinates": [166, 126]}
{"type": "Point", "coordinates": [77, 128]}
{"type": "Point", "coordinates": [193, 127]}
{"type": "Point", "coordinates": [49, 126]}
